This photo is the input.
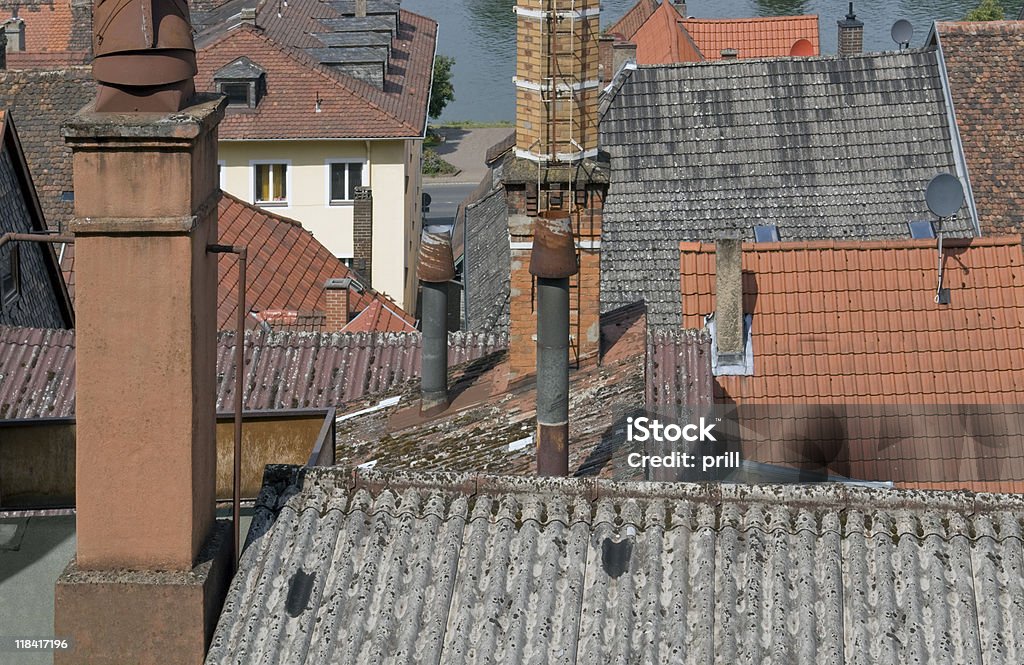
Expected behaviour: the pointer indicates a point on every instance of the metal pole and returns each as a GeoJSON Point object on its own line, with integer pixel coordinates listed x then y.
{"type": "Point", "coordinates": [236, 475]}
{"type": "Point", "coordinates": [436, 270]}
{"type": "Point", "coordinates": [552, 262]}
{"type": "Point", "coordinates": [435, 347]}
{"type": "Point", "coordinates": [553, 376]}
{"type": "Point", "coordinates": [34, 237]}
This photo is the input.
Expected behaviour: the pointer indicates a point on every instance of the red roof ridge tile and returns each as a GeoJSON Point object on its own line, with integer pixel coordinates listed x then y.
{"type": "Point", "coordinates": [749, 19]}
{"type": "Point", "coordinates": [348, 83]}
{"type": "Point", "coordinates": [858, 245]}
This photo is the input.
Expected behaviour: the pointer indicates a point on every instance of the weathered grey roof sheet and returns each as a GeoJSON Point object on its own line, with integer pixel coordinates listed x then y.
{"type": "Point", "coordinates": [821, 147]}
{"type": "Point", "coordinates": [487, 264]}
{"type": "Point", "coordinates": [285, 370]}
{"type": "Point", "coordinates": [367, 568]}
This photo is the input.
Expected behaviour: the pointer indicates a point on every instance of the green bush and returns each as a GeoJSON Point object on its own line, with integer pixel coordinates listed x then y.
{"type": "Point", "coordinates": [988, 10]}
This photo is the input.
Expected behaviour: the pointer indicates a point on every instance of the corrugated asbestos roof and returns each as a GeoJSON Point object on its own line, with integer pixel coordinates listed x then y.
{"type": "Point", "coordinates": [820, 147]}
{"type": "Point", "coordinates": [284, 370]}
{"type": "Point", "coordinates": [363, 567]}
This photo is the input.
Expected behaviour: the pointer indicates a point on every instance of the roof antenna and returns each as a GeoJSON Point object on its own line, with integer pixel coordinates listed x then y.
{"type": "Point", "coordinates": [945, 197]}
{"type": "Point", "coordinates": [902, 32]}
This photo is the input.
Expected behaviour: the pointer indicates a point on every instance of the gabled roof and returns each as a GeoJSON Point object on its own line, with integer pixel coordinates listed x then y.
{"type": "Point", "coordinates": [662, 40]}
{"type": "Point", "coordinates": [287, 44]}
{"type": "Point", "coordinates": [349, 108]}
{"type": "Point", "coordinates": [287, 270]}
{"type": "Point", "coordinates": [43, 298]}
{"type": "Point", "coordinates": [288, 370]}
{"type": "Point", "coordinates": [633, 19]}
{"type": "Point", "coordinates": [854, 327]}
{"type": "Point", "coordinates": [406, 568]}
{"type": "Point", "coordinates": [760, 37]}
{"type": "Point", "coordinates": [812, 145]}
{"type": "Point", "coordinates": [983, 60]}
{"type": "Point", "coordinates": [43, 101]}
{"type": "Point", "coordinates": [380, 316]}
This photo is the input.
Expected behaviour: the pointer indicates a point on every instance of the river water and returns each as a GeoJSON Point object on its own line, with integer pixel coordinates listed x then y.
{"type": "Point", "coordinates": [480, 34]}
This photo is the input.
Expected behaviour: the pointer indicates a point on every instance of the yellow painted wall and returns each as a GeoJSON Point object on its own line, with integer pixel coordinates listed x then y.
{"type": "Point", "coordinates": [396, 204]}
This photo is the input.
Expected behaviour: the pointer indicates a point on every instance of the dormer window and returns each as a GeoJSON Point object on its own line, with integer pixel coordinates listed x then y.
{"type": "Point", "coordinates": [243, 82]}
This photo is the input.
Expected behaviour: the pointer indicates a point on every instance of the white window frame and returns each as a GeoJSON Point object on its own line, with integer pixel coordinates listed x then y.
{"type": "Point", "coordinates": [327, 179]}
{"type": "Point", "coordinates": [222, 167]}
{"type": "Point", "coordinates": [253, 163]}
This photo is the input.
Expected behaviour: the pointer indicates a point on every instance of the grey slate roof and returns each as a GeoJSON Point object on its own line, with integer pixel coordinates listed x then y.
{"type": "Point", "coordinates": [487, 264]}
{"type": "Point", "coordinates": [342, 567]}
{"type": "Point", "coordinates": [821, 147]}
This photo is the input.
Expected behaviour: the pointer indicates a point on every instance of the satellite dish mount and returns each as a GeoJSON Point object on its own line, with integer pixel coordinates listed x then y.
{"type": "Point", "coordinates": [945, 197]}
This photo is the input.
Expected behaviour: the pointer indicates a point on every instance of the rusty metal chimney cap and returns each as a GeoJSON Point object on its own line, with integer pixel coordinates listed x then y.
{"type": "Point", "coordinates": [436, 262]}
{"type": "Point", "coordinates": [554, 247]}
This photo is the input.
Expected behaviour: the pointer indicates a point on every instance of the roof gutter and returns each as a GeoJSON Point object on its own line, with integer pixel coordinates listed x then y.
{"type": "Point", "coordinates": [959, 157]}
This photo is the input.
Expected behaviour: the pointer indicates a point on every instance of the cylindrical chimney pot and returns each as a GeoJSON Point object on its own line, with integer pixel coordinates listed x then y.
{"type": "Point", "coordinates": [553, 376]}
{"type": "Point", "coordinates": [436, 270]}
{"type": "Point", "coordinates": [554, 247]}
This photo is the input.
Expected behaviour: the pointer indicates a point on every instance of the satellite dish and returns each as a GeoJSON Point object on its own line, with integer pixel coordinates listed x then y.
{"type": "Point", "coordinates": [902, 32]}
{"type": "Point", "coordinates": [945, 195]}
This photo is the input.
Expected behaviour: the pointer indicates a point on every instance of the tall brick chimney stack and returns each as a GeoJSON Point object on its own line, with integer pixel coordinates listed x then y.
{"type": "Point", "coordinates": [851, 34]}
{"type": "Point", "coordinates": [556, 167]}
{"type": "Point", "coordinates": [152, 564]}
{"type": "Point", "coordinates": [556, 79]}
{"type": "Point", "coordinates": [362, 233]}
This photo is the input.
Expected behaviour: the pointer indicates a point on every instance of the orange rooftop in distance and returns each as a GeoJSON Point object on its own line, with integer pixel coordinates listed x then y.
{"type": "Point", "coordinates": [666, 37]}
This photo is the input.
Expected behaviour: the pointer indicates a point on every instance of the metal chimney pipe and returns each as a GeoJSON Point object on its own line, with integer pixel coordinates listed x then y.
{"type": "Point", "coordinates": [552, 262]}
{"type": "Point", "coordinates": [436, 270]}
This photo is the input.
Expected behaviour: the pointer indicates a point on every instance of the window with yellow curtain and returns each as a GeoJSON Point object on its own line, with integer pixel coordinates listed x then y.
{"type": "Point", "coordinates": [271, 183]}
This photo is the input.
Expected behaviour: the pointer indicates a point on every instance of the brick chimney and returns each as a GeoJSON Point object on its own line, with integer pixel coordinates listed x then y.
{"type": "Point", "coordinates": [362, 233]}
{"type": "Point", "coordinates": [557, 58]}
{"type": "Point", "coordinates": [337, 294]}
{"type": "Point", "coordinates": [152, 564]}
{"type": "Point", "coordinates": [584, 207]}
{"type": "Point", "coordinates": [851, 34]}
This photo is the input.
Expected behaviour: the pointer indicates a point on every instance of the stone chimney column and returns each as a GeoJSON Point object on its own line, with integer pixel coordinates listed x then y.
{"type": "Point", "coordinates": [362, 232]}
{"type": "Point", "coordinates": [152, 564]}
{"type": "Point", "coordinates": [729, 300]}
{"type": "Point", "coordinates": [622, 52]}
{"type": "Point", "coordinates": [361, 8]}
{"type": "Point", "coordinates": [14, 30]}
{"type": "Point", "coordinates": [336, 292]}
{"type": "Point", "coordinates": [851, 34]}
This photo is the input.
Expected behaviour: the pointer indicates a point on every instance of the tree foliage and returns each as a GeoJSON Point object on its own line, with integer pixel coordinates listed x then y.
{"type": "Point", "coordinates": [442, 91]}
{"type": "Point", "coordinates": [988, 10]}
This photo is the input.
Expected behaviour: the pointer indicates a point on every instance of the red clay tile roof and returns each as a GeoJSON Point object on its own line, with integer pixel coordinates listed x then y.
{"type": "Point", "coordinates": [287, 268]}
{"type": "Point", "coordinates": [633, 19]}
{"type": "Point", "coordinates": [986, 80]}
{"type": "Point", "coordinates": [856, 322]}
{"type": "Point", "coordinates": [857, 368]}
{"type": "Point", "coordinates": [286, 273]}
{"type": "Point", "coordinates": [667, 38]}
{"type": "Point", "coordinates": [380, 317]}
{"type": "Point", "coordinates": [350, 108]}
{"type": "Point", "coordinates": [661, 39]}
{"type": "Point", "coordinates": [762, 37]}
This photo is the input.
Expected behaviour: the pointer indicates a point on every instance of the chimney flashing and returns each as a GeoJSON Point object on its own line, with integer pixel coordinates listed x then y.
{"type": "Point", "coordinates": [732, 364]}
